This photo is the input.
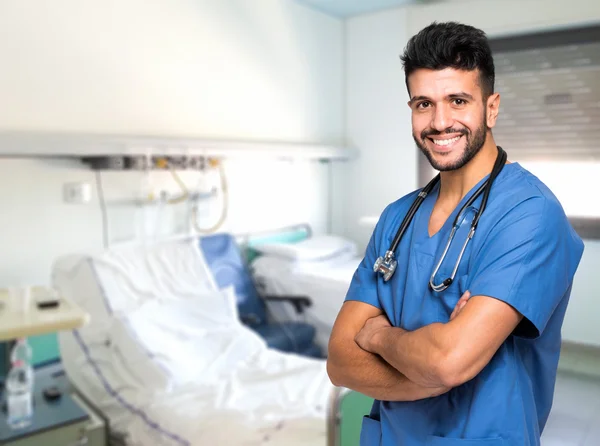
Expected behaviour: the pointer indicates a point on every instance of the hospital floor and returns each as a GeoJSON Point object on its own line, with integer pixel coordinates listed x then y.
{"type": "Point", "coordinates": [575, 416]}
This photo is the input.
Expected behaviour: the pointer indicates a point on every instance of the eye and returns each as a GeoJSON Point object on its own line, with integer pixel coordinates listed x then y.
{"type": "Point", "coordinates": [423, 105]}
{"type": "Point", "coordinates": [459, 102]}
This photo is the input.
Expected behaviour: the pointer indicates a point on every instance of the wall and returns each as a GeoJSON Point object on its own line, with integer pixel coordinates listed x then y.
{"type": "Point", "coordinates": [209, 68]}
{"type": "Point", "coordinates": [378, 120]}
{"type": "Point", "coordinates": [38, 226]}
{"type": "Point", "coordinates": [203, 68]}
{"type": "Point", "coordinates": [266, 70]}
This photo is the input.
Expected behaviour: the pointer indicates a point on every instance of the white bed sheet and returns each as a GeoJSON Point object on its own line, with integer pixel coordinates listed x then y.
{"type": "Point", "coordinates": [325, 282]}
{"type": "Point", "coordinates": [167, 361]}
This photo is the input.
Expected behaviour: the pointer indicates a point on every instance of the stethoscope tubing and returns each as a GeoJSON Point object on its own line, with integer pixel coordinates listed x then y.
{"type": "Point", "coordinates": [485, 188]}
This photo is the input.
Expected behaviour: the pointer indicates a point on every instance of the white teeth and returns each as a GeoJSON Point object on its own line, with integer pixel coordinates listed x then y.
{"type": "Point", "coordinates": [446, 142]}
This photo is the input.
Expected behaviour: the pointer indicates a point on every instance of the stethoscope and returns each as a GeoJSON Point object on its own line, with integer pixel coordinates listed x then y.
{"type": "Point", "coordinates": [387, 265]}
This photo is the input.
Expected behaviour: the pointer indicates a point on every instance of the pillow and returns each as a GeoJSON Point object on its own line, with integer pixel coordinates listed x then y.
{"type": "Point", "coordinates": [319, 247]}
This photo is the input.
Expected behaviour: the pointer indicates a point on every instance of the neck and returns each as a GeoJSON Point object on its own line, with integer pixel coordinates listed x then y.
{"type": "Point", "coordinates": [454, 185]}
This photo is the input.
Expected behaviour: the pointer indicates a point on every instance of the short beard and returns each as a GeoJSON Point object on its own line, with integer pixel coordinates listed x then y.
{"type": "Point", "coordinates": [474, 144]}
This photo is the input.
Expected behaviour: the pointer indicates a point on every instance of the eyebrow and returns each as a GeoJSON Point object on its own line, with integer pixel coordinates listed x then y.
{"type": "Point", "coordinates": [461, 95]}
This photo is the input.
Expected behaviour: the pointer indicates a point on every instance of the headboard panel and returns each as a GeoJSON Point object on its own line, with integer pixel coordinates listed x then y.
{"type": "Point", "coordinates": [289, 234]}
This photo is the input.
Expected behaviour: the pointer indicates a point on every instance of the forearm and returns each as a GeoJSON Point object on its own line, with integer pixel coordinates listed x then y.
{"type": "Point", "coordinates": [448, 354]}
{"type": "Point", "coordinates": [369, 374]}
{"type": "Point", "coordinates": [419, 355]}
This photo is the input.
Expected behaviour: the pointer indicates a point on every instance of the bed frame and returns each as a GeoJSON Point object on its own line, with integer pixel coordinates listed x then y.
{"type": "Point", "coordinates": [247, 241]}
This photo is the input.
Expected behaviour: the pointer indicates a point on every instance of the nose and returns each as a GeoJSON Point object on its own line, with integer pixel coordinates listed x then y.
{"type": "Point", "coordinates": [442, 118]}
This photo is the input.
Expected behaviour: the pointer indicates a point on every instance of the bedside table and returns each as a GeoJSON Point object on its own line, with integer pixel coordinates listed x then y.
{"type": "Point", "coordinates": [15, 323]}
{"type": "Point", "coordinates": [67, 421]}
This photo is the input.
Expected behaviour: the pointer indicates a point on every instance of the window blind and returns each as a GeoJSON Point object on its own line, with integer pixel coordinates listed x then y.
{"type": "Point", "coordinates": [549, 86]}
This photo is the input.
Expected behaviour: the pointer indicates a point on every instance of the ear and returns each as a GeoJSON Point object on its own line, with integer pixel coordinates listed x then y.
{"type": "Point", "coordinates": [492, 109]}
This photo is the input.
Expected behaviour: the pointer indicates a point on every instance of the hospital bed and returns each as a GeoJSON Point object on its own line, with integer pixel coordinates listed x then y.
{"type": "Point", "coordinates": [317, 266]}
{"type": "Point", "coordinates": [294, 261]}
{"type": "Point", "coordinates": [225, 259]}
{"type": "Point", "coordinates": [344, 420]}
{"type": "Point", "coordinates": [167, 362]}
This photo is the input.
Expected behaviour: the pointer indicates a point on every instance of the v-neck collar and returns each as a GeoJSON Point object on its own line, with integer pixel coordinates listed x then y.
{"type": "Point", "coordinates": [424, 213]}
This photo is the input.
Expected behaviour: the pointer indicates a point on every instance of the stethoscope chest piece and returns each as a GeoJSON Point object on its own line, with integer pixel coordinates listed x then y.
{"type": "Point", "coordinates": [386, 265]}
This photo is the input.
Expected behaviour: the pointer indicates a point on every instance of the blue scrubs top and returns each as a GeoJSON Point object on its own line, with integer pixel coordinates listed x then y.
{"type": "Point", "coordinates": [525, 253]}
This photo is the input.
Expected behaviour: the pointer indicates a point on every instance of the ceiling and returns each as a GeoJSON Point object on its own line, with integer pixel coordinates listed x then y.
{"type": "Point", "coordinates": [348, 8]}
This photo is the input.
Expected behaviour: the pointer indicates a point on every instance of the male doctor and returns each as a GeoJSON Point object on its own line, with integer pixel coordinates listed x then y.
{"type": "Point", "coordinates": [474, 364]}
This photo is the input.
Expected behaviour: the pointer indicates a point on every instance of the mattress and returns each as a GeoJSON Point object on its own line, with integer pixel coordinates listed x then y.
{"type": "Point", "coordinates": [325, 282]}
{"type": "Point", "coordinates": [166, 359]}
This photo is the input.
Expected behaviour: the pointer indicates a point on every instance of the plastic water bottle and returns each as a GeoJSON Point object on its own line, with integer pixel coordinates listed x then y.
{"type": "Point", "coordinates": [21, 352]}
{"type": "Point", "coordinates": [19, 395]}
{"type": "Point", "coordinates": [19, 385]}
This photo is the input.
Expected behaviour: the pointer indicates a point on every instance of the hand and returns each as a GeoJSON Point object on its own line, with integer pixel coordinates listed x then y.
{"type": "Point", "coordinates": [460, 304]}
{"type": "Point", "coordinates": [365, 336]}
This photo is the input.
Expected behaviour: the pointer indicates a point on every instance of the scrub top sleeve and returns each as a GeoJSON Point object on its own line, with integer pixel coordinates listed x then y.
{"type": "Point", "coordinates": [528, 261]}
{"type": "Point", "coordinates": [363, 287]}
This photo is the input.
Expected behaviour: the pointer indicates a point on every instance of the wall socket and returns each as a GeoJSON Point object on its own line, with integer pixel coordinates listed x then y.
{"type": "Point", "coordinates": [77, 193]}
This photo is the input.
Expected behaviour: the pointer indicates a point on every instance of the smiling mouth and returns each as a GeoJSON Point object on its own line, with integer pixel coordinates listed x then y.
{"type": "Point", "coordinates": [445, 143]}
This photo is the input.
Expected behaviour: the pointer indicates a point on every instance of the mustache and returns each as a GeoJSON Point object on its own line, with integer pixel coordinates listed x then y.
{"type": "Point", "coordinates": [429, 133]}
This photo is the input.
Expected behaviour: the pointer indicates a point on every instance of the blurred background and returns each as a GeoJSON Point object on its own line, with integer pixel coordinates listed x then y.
{"type": "Point", "coordinates": [300, 105]}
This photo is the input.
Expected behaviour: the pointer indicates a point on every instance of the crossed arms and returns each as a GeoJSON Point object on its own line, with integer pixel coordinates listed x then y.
{"type": "Point", "coordinates": [368, 355]}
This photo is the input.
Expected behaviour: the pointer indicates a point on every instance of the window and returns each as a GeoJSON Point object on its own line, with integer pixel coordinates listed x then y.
{"type": "Point", "coordinates": [549, 120]}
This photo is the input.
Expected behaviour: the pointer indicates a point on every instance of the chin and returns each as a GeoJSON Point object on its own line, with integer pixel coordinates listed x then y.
{"type": "Point", "coordinates": [445, 161]}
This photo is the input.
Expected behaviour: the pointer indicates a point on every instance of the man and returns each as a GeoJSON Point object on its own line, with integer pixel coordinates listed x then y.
{"type": "Point", "coordinates": [476, 363]}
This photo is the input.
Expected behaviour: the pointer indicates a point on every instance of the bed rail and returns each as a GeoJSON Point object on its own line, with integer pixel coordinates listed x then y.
{"type": "Point", "coordinates": [334, 415]}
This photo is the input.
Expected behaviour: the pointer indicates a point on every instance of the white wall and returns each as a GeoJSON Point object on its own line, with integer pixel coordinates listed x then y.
{"type": "Point", "coordinates": [235, 69]}
{"type": "Point", "coordinates": [378, 120]}
{"type": "Point", "coordinates": [37, 226]}
{"type": "Point", "coordinates": [267, 69]}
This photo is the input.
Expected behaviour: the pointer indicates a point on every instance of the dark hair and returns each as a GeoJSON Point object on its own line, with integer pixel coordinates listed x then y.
{"type": "Point", "coordinates": [451, 45]}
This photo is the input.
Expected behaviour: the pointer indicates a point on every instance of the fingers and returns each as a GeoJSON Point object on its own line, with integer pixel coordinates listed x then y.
{"type": "Point", "coordinates": [460, 304]}
{"type": "Point", "coordinates": [457, 308]}
{"type": "Point", "coordinates": [463, 300]}
{"type": "Point", "coordinates": [454, 312]}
